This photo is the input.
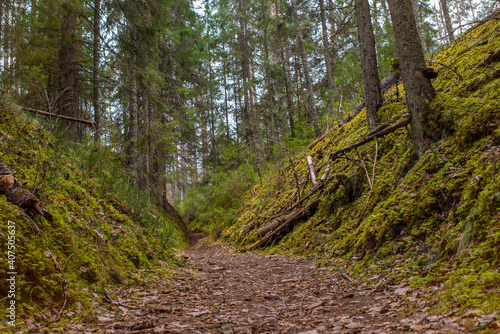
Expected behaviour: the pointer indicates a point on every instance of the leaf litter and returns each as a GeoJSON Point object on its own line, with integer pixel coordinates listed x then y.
{"type": "Point", "coordinates": [217, 290]}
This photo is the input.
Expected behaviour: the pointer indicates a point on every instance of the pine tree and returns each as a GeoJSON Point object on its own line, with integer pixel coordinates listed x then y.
{"type": "Point", "coordinates": [371, 80]}
{"type": "Point", "coordinates": [418, 88]}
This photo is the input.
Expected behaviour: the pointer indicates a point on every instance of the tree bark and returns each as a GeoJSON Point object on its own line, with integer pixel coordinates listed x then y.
{"type": "Point", "coordinates": [17, 194]}
{"type": "Point", "coordinates": [305, 66]}
{"type": "Point", "coordinates": [267, 69]}
{"type": "Point", "coordinates": [96, 73]}
{"type": "Point", "coordinates": [286, 75]}
{"type": "Point", "coordinates": [371, 81]}
{"type": "Point", "coordinates": [134, 129]}
{"type": "Point", "coordinates": [68, 103]}
{"type": "Point", "coordinates": [447, 19]}
{"type": "Point", "coordinates": [328, 62]}
{"type": "Point", "coordinates": [459, 16]}
{"type": "Point", "coordinates": [418, 22]}
{"type": "Point", "coordinates": [418, 88]}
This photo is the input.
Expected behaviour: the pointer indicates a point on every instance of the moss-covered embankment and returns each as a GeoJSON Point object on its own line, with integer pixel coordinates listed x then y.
{"type": "Point", "coordinates": [436, 219]}
{"type": "Point", "coordinates": [104, 232]}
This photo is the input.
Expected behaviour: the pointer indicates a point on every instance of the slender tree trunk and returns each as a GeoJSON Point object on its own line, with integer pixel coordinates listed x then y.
{"type": "Point", "coordinates": [134, 129]}
{"type": "Point", "coordinates": [305, 65]}
{"type": "Point", "coordinates": [68, 103]}
{"type": "Point", "coordinates": [6, 38]}
{"type": "Point", "coordinates": [286, 75]}
{"type": "Point", "coordinates": [459, 16]}
{"type": "Point", "coordinates": [447, 19]}
{"type": "Point", "coordinates": [418, 21]}
{"type": "Point", "coordinates": [371, 80]}
{"type": "Point", "coordinates": [2, 24]}
{"type": "Point", "coordinates": [97, 62]}
{"type": "Point", "coordinates": [419, 90]}
{"type": "Point", "coordinates": [147, 150]}
{"type": "Point", "coordinates": [270, 90]}
{"type": "Point", "coordinates": [226, 98]}
{"type": "Point", "coordinates": [328, 62]}
{"type": "Point", "coordinates": [245, 74]}
{"type": "Point", "coordinates": [472, 10]}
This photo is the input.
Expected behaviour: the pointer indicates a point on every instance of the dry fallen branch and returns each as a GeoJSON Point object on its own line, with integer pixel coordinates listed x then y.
{"type": "Point", "coordinates": [310, 163]}
{"type": "Point", "coordinates": [79, 120]}
{"type": "Point", "coordinates": [373, 136]}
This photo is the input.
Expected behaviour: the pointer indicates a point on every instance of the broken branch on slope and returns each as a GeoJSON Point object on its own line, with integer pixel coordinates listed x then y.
{"type": "Point", "coordinates": [301, 213]}
{"type": "Point", "coordinates": [389, 82]}
{"type": "Point", "coordinates": [371, 137]}
{"type": "Point", "coordinates": [17, 194]}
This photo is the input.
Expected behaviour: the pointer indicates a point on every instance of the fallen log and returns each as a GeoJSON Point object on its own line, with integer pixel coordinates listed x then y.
{"type": "Point", "coordinates": [275, 223]}
{"type": "Point", "coordinates": [17, 194]}
{"type": "Point", "coordinates": [302, 213]}
{"type": "Point", "coordinates": [371, 137]}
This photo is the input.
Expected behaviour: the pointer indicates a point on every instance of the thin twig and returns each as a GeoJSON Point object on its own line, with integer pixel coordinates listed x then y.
{"type": "Point", "coordinates": [373, 182]}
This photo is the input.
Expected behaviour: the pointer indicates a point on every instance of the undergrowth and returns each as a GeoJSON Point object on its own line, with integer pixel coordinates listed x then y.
{"type": "Point", "coordinates": [105, 232]}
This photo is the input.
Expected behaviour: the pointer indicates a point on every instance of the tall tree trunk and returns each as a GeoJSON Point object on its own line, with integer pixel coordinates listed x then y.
{"type": "Point", "coordinates": [245, 74]}
{"type": "Point", "coordinates": [418, 88]}
{"type": "Point", "coordinates": [96, 73]}
{"type": "Point", "coordinates": [249, 112]}
{"type": "Point", "coordinates": [270, 90]}
{"type": "Point", "coordinates": [204, 135]}
{"type": "Point", "coordinates": [6, 37]}
{"type": "Point", "coordinates": [147, 149]}
{"type": "Point", "coordinates": [134, 129]}
{"type": "Point", "coordinates": [226, 98]}
{"type": "Point", "coordinates": [447, 19]}
{"type": "Point", "coordinates": [286, 75]}
{"type": "Point", "coordinates": [418, 21]}
{"type": "Point", "coordinates": [328, 62]}
{"type": "Point", "coordinates": [305, 65]}
{"type": "Point", "coordinates": [459, 16]}
{"type": "Point", "coordinates": [68, 70]}
{"type": "Point", "coordinates": [371, 80]}
{"type": "Point", "coordinates": [2, 24]}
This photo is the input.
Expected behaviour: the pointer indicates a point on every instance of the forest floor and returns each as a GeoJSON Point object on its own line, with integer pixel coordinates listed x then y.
{"type": "Point", "coordinates": [217, 290]}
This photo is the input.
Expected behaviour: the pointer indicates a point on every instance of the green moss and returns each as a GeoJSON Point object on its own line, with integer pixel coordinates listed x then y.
{"type": "Point", "coordinates": [440, 212]}
{"type": "Point", "coordinates": [102, 232]}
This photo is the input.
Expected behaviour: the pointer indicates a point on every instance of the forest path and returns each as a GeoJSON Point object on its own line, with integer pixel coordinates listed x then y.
{"type": "Point", "coordinates": [217, 290]}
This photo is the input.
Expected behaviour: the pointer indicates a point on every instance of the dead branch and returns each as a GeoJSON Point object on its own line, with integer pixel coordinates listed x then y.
{"type": "Point", "coordinates": [368, 139]}
{"type": "Point", "coordinates": [388, 82]}
{"type": "Point", "coordinates": [372, 183]}
{"type": "Point", "coordinates": [61, 116]}
{"type": "Point", "coordinates": [272, 235]}
{"type": "Point", "coordinates": [327, 171]}
{"type": "Point", "coordinates": [311, 170]}
{"type": "Point", "coordinates": [294, 171]}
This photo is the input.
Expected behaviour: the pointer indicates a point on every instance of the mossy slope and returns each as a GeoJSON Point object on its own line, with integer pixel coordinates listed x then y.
{"type": "Point", "coordinates": [437, 215]}
{"type": "Point", "coordinates": [97, 238]}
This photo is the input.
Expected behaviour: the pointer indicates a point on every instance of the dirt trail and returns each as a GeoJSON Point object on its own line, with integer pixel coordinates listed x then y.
{"type": "Point", "coordinates": [219, 291]}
